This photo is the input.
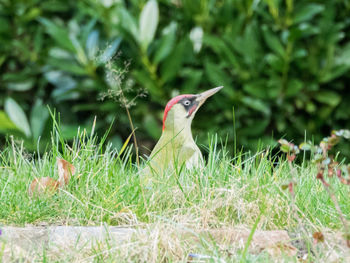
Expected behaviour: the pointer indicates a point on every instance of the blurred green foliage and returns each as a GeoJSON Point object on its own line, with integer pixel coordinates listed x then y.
{"type": "Point", "coordinates": [285, 65]}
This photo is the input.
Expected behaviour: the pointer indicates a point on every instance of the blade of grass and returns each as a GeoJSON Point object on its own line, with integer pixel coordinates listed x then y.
{"type": "Point", "coordinates": [250, 238]}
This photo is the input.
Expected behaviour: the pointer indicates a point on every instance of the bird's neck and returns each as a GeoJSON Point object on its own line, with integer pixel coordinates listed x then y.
{"type": "Point", "coordinates": [179, 134]}
{"type": "Point", "coordinates": [177, 127]}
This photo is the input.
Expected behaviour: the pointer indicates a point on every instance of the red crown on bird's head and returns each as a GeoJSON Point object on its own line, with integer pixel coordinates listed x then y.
{"type": "Point", "coordinates": [171, 103]}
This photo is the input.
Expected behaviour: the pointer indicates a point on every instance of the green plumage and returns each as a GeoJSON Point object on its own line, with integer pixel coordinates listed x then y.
{"type": "Point", "coordinates": [176, 149]}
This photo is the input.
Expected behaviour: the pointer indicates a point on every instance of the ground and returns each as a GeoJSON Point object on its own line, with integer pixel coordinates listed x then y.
{"type": "Point", "coordinates": [243, 191]}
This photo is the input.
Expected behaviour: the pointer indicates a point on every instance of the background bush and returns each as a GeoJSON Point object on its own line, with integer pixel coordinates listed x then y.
{"type": "Point", "coordinates": [284, 64]}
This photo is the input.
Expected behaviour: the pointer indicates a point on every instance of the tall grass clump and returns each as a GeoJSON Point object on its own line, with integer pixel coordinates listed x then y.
{"type": "Point", "coordinates": [108, 187]}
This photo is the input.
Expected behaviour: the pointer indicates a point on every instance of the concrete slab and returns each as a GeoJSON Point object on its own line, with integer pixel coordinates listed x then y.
{"type": "Point", "coordinates": [28, 244]}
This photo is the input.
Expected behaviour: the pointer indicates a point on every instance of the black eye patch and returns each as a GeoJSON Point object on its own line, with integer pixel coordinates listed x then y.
{"type": "Point", "coordinates": [187, 103]}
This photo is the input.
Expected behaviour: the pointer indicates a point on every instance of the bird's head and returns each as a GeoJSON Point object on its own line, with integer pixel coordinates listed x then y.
{"type": "Point", "coordinates": [179, 111]}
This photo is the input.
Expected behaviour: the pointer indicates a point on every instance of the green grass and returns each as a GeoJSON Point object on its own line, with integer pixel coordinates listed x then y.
{"type": "Point", "coordinates": [108, 188]}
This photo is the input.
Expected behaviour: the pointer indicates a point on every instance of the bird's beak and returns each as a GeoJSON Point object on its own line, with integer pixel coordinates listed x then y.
{"type": "Point", "coordinates": [202, 97]}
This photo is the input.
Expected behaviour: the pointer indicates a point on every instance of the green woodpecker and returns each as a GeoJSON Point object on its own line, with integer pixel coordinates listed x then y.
{"type": "Point", "coordinates": [176, 146]}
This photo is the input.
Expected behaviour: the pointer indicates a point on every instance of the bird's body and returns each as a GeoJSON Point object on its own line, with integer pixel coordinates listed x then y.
{"type": "Point", "coordinates": [176, 148]}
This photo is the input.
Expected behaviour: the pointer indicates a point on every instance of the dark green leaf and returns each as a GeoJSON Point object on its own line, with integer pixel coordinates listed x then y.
{"type": "Point", "coordinates": [294, 87]}
{"type": "Point", "coordinates": [273, 42]}
{"type": "Point", "coordinates": [38, 118]}
{"type": "Point", "coordinates": [275, 62]}
{"type": "Point", "coordinates": [173, 63]}
{"type": "Point", "coordinates": [128, 23]}
{"type": "Point", "coordinates": [220, 47]}
{"type": "Point", "coordinates": [17, 116]}
{"type": "Point", "coordinates": [307, 12]}
{"type": "Point", "coordinates": [328, 97]}
{"type": "Point", "coordinates": [216, 75]}
{"type": "Point", "coordinates": [256, 104]}
{"type": "Point", "coordinates": [61, 35]}
{"type": "Point", "coordinates": [5, 123]}
{"type": "Point", "coordinates": [66, 65]}
{"type": "Point", "coordinates": [166, 44]}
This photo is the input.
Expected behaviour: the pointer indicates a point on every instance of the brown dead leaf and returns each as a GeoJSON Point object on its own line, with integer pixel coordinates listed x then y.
{"type": "Point", "coordinates": [318, 237]}
{"type": "Point", "coordinates": [50, 185]}
{"type": "Point", "coordinates": [65, 171]}
{"type": "Point", "coordinates": [43, 185]}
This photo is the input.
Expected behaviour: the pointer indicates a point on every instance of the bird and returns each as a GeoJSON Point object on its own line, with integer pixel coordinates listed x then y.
{"type": "Point", "coordinates": [176, 148]}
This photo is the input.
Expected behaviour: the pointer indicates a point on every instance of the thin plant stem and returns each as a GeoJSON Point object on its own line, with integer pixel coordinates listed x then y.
{"type": "Point", "coordinates": [331, 194]}
{"type": "Point", "coordinates": [134, 136]}
{"type": "Point", "coordinates": [337, 207]}
{"type": "Point", "coordinates": [114, 78]}
{"type": "Point", "coordinates": [136, 149]}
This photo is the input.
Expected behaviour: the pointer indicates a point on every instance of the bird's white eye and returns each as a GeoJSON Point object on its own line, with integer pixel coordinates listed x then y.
{"type": "Point", "coordinates": [187, 102]}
